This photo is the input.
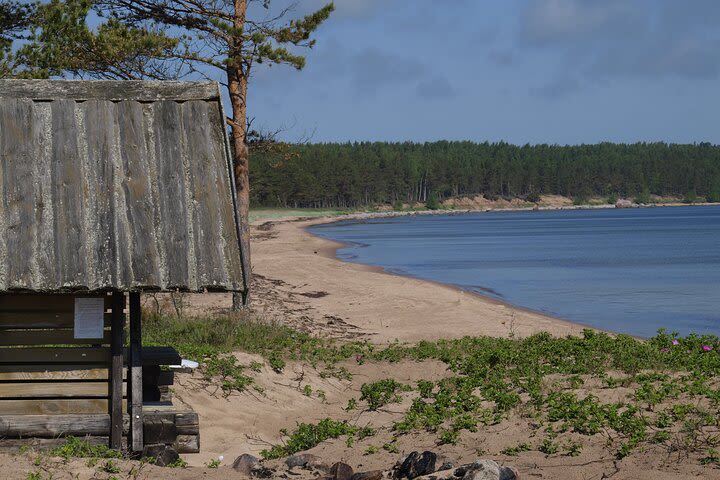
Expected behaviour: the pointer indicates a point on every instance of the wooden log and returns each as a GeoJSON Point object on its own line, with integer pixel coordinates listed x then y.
{"type": "Point", "coordinates": [50, 426]}
{"type": "Point", "coordinates": [116, 371]}
{"type": "Point", "coordinates": [44, 302]}
{"type": "Point", "coordinates": [55, 407]}
{"type": "Point", "coordinates": [159, 428]}
{"type": "Point", "coordinates": [38, 319]}
{"type": "Point", "coordinates": [135, 440]}
{"type": "Point", "coordinates": [50, 355]}
{"type": "Point", "coordinates": [13, 445]}
{"type": "Point", "coordinates": [48, 337]}
{"type": "Point", "coordinates": [187, 422]}
{"type": "Point", "coordinates": [40, 390]}
{"type": "Point", "coordinates": [51, 372]}
{"type": "Point", "coordinates": [188, 444]}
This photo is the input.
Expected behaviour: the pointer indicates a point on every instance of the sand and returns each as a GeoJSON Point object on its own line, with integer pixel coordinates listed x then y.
{"type": "Point", "coordinates": [381, 306]}
{"type": "Point", "coordinates": [299, 281]}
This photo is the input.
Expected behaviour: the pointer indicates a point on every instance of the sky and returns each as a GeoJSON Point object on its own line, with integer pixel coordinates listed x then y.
{"type": "Point", "coordinates": [522, 71]}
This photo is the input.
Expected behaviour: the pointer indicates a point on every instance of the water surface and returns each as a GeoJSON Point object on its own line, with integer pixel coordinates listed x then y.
{"type": "Point", "coordinates": [632, 271]}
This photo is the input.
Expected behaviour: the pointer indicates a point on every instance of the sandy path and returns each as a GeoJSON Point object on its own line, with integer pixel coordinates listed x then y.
{"type": "Point", "coordinates": [387, 307]}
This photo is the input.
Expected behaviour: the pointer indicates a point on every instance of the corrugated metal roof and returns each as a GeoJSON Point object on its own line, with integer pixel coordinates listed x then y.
{"type": "Point", "coordinates": [116, 185]}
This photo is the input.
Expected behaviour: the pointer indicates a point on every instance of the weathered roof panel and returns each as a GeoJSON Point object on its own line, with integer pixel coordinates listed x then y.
{"type": "Point", "coordinates": [115, 185]}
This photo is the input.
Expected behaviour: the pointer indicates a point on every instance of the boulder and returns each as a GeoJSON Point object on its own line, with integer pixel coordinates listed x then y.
{"type": "Point", "coordinates": [341, 471]}
{"type": "Point", "coordinates": [163, 454]}
{"type": "Point", "coordinates": [371, 475]}
{"type": "Point", "coordinates": [622, 203]}
{"type": "Point", "coordinates": [305, 460]}
{"type": "Point", "coordinates": [244, 464]}
{"type": "Point", "coordinates": [482, 470]}
{"type": "Point", "coordinates": [416, 465]}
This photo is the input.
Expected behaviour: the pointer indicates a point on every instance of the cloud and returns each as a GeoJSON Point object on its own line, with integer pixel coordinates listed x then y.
{"type": "Point", "coordinates": [644, 39]}
{"type": "Point", "coordinates": [373, 69]}
{"type": "Point", "coordinates": [436, 88]}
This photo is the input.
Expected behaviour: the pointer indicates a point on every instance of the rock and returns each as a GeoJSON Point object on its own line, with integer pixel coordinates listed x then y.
{"type": "Point", "coordinates": [483, 470]}
{"type": "Point", "coordinates": [371, 475]}
{"type": "Point", "coordinates": [303, 460]}
{"type": "Point", "coordinates": [416, 465]}
{"type": "Point", "coordinates": [341, 471]}
{"type": "Point", "coordinates": [509, 473]}
{"type": "Point", "coordinates": [163, 454]}
{"type": "Point", "coordinates": [261, 471]}
{"type": "Point", "coordinates": [622, 203]}
{"type": "Point", "coordinates": [245, 463]}
{"type": "Point", "coordinates": [439, 475]}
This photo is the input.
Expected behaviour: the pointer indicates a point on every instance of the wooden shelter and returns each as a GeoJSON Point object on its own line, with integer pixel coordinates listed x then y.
{"type": "Point", "coordinates": [107, 189]}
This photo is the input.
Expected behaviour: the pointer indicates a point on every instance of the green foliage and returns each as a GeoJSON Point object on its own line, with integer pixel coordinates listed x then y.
{"type": "Point", "coordinates": [307, 435]}
{"type": "Point", "coordinates": [432, 203]}
{"type": "Point", "coordinates": [214, 463]}
{"type": "Point", "coordinates": [612, 199]}
{"type": "Point", "coordinates": [361, 175]}
{"type": "Point", "coordinates": [76, 448]}
{"type": "Point", "coordinates": [382, 392]}
{"type": "Point", "coordinates": [548, 447]}
{"type": "Point", "coordinates": [514, 451]}
{"type": "Point", "coordinates": [533, 197]}
{"type": "Point", "coordinates": [643, 197]}
{"type": "Point", "coordinates": [110, 467]}
{"type": "Point", "coordinates": [690, 197]}
{"type": "Point", "coordinates": [713, 194]}
{"type": "Point", "coordinates": [179, 463]}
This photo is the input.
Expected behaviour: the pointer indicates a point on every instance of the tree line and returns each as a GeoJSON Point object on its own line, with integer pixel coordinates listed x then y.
{"type": "Point", "coordinates": [352, 175]}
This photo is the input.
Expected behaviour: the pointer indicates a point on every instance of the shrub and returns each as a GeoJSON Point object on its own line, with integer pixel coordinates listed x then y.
{"type": "Point", "coordinates": [532, 197]}
{"type": "Point", "coordinates": [432, 203]}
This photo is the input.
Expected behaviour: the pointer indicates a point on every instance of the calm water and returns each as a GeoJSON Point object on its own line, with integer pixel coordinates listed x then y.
{"type": "Point", "coordinates": [631, 271]}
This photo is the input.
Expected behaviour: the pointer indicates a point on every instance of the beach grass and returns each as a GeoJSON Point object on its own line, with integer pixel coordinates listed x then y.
{"type": "Point", "coordinates": [672, 382]}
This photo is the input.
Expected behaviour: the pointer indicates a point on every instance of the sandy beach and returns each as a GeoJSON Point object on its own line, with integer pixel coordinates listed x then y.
{"type": "Point", "coordinates": [370, 302]}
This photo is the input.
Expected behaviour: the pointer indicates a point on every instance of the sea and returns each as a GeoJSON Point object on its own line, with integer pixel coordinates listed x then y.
{"type": "Point", "coordinates": [630, 271]}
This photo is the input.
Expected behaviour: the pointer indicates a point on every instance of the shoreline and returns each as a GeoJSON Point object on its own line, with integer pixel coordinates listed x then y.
{"type": "Point", "coordinates": [360, 296]}
{"type": "Point", "coordinates": [382, 305]}
{"type": "Point", "coordinates": [331, 252]}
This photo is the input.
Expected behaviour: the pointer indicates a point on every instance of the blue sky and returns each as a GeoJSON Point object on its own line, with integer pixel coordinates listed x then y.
{"type": "Point", "coordinates": [524, 71]}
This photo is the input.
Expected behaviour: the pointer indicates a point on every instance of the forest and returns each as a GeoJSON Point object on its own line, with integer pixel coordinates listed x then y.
{"type": "Point", "coordinates": [356, 175]}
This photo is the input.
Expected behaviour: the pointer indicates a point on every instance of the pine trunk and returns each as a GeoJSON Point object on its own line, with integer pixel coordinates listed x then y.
{"type": "Point", "coordinates": [237, 77]}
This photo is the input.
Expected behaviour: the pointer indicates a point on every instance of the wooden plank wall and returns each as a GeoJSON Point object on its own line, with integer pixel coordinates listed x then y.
{"type": "Point", "coordinates": [52, 384]}
{"type": "Point", "coordinates": [44, 369]}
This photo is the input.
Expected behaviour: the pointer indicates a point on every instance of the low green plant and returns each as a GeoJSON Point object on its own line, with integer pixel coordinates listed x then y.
{"type": "Point", "coordinates": [307, 435]}
{"type": "Point", "coordinates": [179, 463]}
{"type": "Point", "coordinates": [214, 463]}
{"type": "Point", "coordinates": [573, 449]}
{"type": "Point", "coordinates": [548, 447]}
{"type": "Point", "coordinates": [712, 456]}
{"type": "Point", "coordinates": [516, 450]}
{"type": "Point", "coordinates": [380, 393]}
{"type": "Point", "coordinates": [76, 448]}
{"type": "Point", "coordinates": [371, 450]}
{"type": "Point", "coordinates": [110, 467]}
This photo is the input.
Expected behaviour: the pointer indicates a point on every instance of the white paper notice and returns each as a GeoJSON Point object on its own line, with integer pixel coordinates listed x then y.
{"type": "Point", "coordinates": [89, 313]}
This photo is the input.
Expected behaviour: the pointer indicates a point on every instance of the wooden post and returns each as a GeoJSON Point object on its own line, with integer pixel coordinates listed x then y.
{"type": "Point", "coordinates": [117, 328]}
{"type": "Point", "coordinates": [135, 393]}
